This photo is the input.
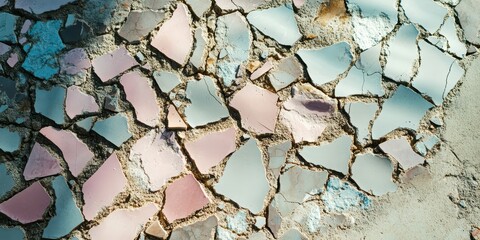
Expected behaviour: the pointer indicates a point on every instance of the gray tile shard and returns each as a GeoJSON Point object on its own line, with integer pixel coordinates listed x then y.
{"type": "Point", "coordinates": [341, 196]}
{"type": "Point", "coordinates": [166, 81]}
{"type": "Point", "coordinates": [361, 114]}
{"type": "Point", "coordinates": [155, 4]}
{"type": "Point", "coordinates": [41, 6]}
{"type": "Point", "coordinates": [298, 184]}
{"type": "Point", "coordinates": [199, 7]}
{"type": "Point", "coordinates": [334, 155]}
{"type": "Point", "coordinates": [278, 156]}
{"type": "Point", "coordinates": [245, 169]}
{"type": "Point", "coordinates": [431, 19]}
{"type": "Point", "coordinates": [139, 24]}
{"type": "Point", "coordinates": [278, 23]}
{"type": "Point", "coordinates": [199, 230]}
{"type": "Point", "coordinates": [287, 71]}
{"type": "Point", "coordinates": [373, 173]}
{"type": "Point", "coordinates": [469, 19]}
{"type": "Point", "coordinates": [293, 234]}
{"type": "Point", "coordinates": [114, 129]}
{"type": "Point", "coordinates": [199, 53]}
{"type": "Point", "coordinates": [402, 54]}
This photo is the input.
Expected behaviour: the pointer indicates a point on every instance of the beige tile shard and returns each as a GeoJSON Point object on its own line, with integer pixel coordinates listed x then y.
{"type": "Point", "coordinates": [262, 70]}
{"type": "Point", "coordinates": [78, 102]}
{"type": "Point", "coordinates": [175, 121]}
{"type": "Point", "coordinates": [156, 230]}
{"type": "Point", "coordinates": [199, 230]}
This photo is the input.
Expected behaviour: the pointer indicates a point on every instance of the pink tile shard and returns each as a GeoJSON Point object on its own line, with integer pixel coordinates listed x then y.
{"type": "Point", "coordinates": [211, 149]}
{"type": "Point", "coordinates": [258, 108]}
{"type": "Point", "coordinates": [141, 95]}
{"type": "Point", "coordinates": [12, 60]}
{"type": "Point", "coordinates": [298, 3]}
{"type": "Point", "coordinates": [175, 39]}
{"type": "Point", "coordinates": [102, 187]}
{"type": "Point", "coordinates": [123, 224]}
{"type": "Point", "coordinates": [262, 70]}
{"type": "Point", "coordinates": [41, 163]}
{"type": "Point", "coordinates": [175, 121]}
{"type": "Point", "coordinates": [113, 64]}
{"type": "Point", "coordinates": [28, 205]}
{"type": "Point", "coordinates": [78, 103]}
{"type": "Point", "coordinates": [183, 197]}
{"type": "Point", "coordinates": [74, 62]}
{"type": "Point", "coordinates": [75, 152]}
{"type": "Point", "coordinates": [401, 150]}
{"type": "Point", "coordinates": [160, 156]}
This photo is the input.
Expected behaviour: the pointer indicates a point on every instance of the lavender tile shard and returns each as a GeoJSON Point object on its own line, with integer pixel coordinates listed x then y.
{"type": "Point", "coordinates": [41, 163]}
{"type": "Point", "coordinates": [401, 151]}
{"type": "Point", "coordinates": [79, 103]}
{"type": "Point", "coordinates": [113, 64]}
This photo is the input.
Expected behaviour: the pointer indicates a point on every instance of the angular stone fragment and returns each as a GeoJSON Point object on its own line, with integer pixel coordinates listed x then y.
{"type": "Point", "coordinates": [21, 208]}
{"type": "Point", "coordinates": [262, 70]}
{"type": "Point", "coordinates": [166, 81]}
{"type": "Point", "coordinates": [112, 64]}
{"type": "Point", "coordinates": [211, 149]}
{"type": "Point", "coordinates": [75, 62]}
{"type": "Point", "coordinates": [233, 38]}
{"type": "Point", "coordinates": [342, 196]}
{"type": "Point", "coordinates": [50, 103]}
{"type": "Point", "coordinates": [199, 54]}
{"type": "Point", "coordinates": [130, 220]}
{"type": "Point", "coordinates": [298, 184]}
{"type": "Point", "coordinates": [174, 39]}
{"type": "Point", "coordinates": [183, 197]}
{"type": "Point", "coordinates": [41, 163]}
{"type": "Point", "coordinates": [160, 156]}
{"type": "Point", "coordinates": [174, 119]}
{"type": "Point", "coordinates": [455, 45]}
{"type": "Point", "coordinates": [67, 214]}
{"type": "Point", "coordinates": [470, 21]}
{"type": "Point", "coordinates": [278, 23]}
{"type": "Point", "coordinates": [206, 106]}
{"type": "Point", "coordinates": [139, 24]}
{"type": "Point", "coordinates": [12, 233]}
{"type": "Point", "coordinates": [373, 174]}
{"type": "Point", "coordinates": [431, 19]}
{"type": "Point", "coordinates": [102, 187]}
{"type": "Point", "coordinates": [8, 24]}
{"type": "Point", "coordinates": [199, 7]}
{"type": "Point", "coordinates": [6, 180]}
{"type": "Point", "coordinates": [199, 230]}
{"type": "Point", "coordinates": [243, 170]}
{"type": "Point", "coordinates": [9, 140]}
{"type": "Point", "coordinates": [155, 229]}
{"type": "Point", "coordinates": [41, 6]}
{"type": "Point", "coordinates": [257, 107]}
{"type": "Point", "coordinates": [278, 156]}
{"type": "Point", "coordinates": [402, 54]}
{"type": "Point", "coordinates": [114, 129]}
{"type": "Point", "coordinates": [438, 73]}
{"type": "Point", "coordinates": [78, 103]}
{"type": "Point", "coordinates": [404, 109]}
{"type": "Point", "coordinates": [334, 155]}
{"type": "Point", "coordinates": [326, 64]}
{"type": "Point", "coordinates": [141, 95]}
{"type": "Point", "coordinates": [401, 151]}
{"type": "Point", "coordinates": [361, 114]}
{"type": "Point", "coordinates": [75, 152]}
{"type": "Point", "coordinates": [286, 72]}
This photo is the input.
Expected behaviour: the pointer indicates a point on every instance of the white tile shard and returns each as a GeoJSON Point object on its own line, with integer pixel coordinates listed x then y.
{"type": "Point", "coordinates": [361, 114]}
{"type": "Point", "coordinates": [333, 155]}
{"type": "Point", "coordinates": [287, 71]}
{"type": "Point", "coordinates": [402, 54]}
{"type": "Point", "coordinates": [298, 184]}
{"type": "Point", "coordinates": [373, 173]}
{"type": "Point", "coordinates": [427, 13]}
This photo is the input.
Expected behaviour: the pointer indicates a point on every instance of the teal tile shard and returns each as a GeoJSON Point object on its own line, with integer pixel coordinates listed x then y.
{"type": "Point", "coordinates": [50, 103]}
{"type": "Point", "coordinates": [8, 23]}
{"type": "Point", "coordinates": [341, 196]}
{"type": "Point", "coordinates": [12, 233]}
{"type": "Point", "coordinates": [166, 81]}
{"type": "Point", "coordinates": [114, 129]}
{"type": "Point", "coordinates": [9, 140]}
{"type": "Point", "coordinates": [41, 60]}
{"type": "Point", "coordinates": [206, 105]}
{"type": "Point", "coordinates": [6, 181]}
{"type": "Point", "coordinates": [334, 155]}
{"type": "Point", "coordinates": [86, 123]}
{"type": "Point", "coordinates": [278, 23]}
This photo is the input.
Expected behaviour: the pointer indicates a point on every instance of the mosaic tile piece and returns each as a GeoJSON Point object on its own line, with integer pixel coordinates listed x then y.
{"type": "Point", "coordinates": [9, 140]}
{"type": "Point", "coordinates": [431, 19]}
{"type": "Point", "coordinates": [401, 151]}
{"type": "Point", "coordinates": [12, 233]}
{"type": "Point", "coordinates": [156, 230]}
{"type": "Point", "coordinates": [75, 62]}
{"type": "Point", "coordinates": [469, 21]}
{"type": "Point", "coordinates": [238, 222]}
{"type": "Point", "coordinates": [277, 154]}
{"type": "Point", "coordinates": [41, 163]}
{"type": "Point", "coordinates": [20, 207]}
{"type": "Point", "coordinates": [183, 197]}
{"type": "Point", "coordinates": [455, 44]}
{"type": "Point", "coordinates": [293, 234]}
{"type": "Point", "coordinates": [341, 196]}
{"type": "Point", "coordinates": [287, 71]}
{"type": "Point", "coordinates": [50, 103]}
{"type": "Point", "coordinates": [166, 81]}
{"type": "Point", "coordinates": [113, 64]}
{"type": "Point", "coordinates": [6, 179]}
{"type": "Point", "coordinates": [298, 184]}
{"type": "Point", "coordinates": [174, 119]}
{"type": "Point", "coordinates": [114, 129]}
{"type": "Point", "coordinates": [139, 24]}
{"type": "Point", "coordinates": [79, 103]}
{"type": "Point", "coordinates": [41, 6]}
{"type": "Point", "coordinates": [8, 24]}
{"type": "Point", "coordinates": [361, 114]}
{"type": "Point", "coordinates": [86, 124]}
{"type": "Point", "coordinates": [100, 190]}
{"type": "Point", "coordinates": [4, 48]}
{"type": "Point", "coordinates": [262, 70]}
{"type": "Point", "coordinates": [402, 54]}
{"type": "Point", "coordinates": [334, 155]}
{"type": "Point", "coordinates": [199, 7]}
{"type": "Point", "coordinates": [199, 230]}
{"type": "Point", "coordinates": [12, 60]}
{"type": "Point", "coordinates": [199, 53]}
{"type": "Point", "coordinates": [75, 33]}
{"type": "Point", "coordinates": [373, 174]}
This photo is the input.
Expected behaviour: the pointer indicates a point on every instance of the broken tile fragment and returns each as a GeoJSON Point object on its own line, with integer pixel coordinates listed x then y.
{"type": "Point", "coordinates": [298, 184]}
{"type": "Point", "coordinates": [4, 48]}
{"type": "Point", "coordinates": [3, 2]}
{"type": "Point", "coordinates": [286, 72]}
{"type": "Point", "coordinates": [326, 64]}
{"type": "Point", "coordinates": [199, 53]}
{"type": "Point", "coordinates": [293, 234]}
{"type": "Point", "coordinates": [278, 156]}
{"type": "Point", "coordinates": [12, 233]}
{"type": "Point", "coordinates": [100, 190]}
{"type": "Point", "coordinates": [278, 23]}
{"type": "Point", "coordinates": [206, 106]}
{"type": "Point", "coordinates": [225, 234]}
{"type": "Point", "coordinates": [334, 155]}
{"type": "Point", "coordinates": [75, 62]}
{"type": "Point", "coordinates": [114, 129]}
{"type": "Point", "coordinates": [243, 170]}
{"type": "Point", "coordinates": [401, 151]}
{"type": "Point", "coordinates": [174, 39]}
{"type": "Point", "coordinates": [142, 97]}
{"type": "Point", "coordinates": [184, 197]}
{"type": "Point", "coordinates": [404, 109]}
{"type": "Point", "coordinates": [232, 36]}
{"type": "Point", "coordinates": [113, 64]}
{"type": "Point", "coordinates": [50, 103]}
{"type": "Point", "coordinates": [21, 208]}
{"type": "Point", "coordinates": [9, 140]}
{"type": "Point", "coordinates": [155, 4]}
{"type": "Point", "coordinates": [455, 45]}
{"type": "Point", "coordinates": [361, 114]}
{"type": "Point", "coordinates": [210, 149]}
{"type": "Point", "coordinates": [75, 152]}
{"type": "Point", "coordinates": [12, 60]}
{"type": "Point", "coordinates": [174, 119]}
{"type": "Point", "coordinates": [139, 24]}
{"type": "Point", "coordinates": [469, 21]}
{"type": "Point", "coordinates": [8, 24]}
{"type": "Point", "coordinates": [199, 7]}
{"type": "Point", "coordinates": [156, 230]}
{"type": "Point", "coordinates": [402, 54]}
{"type": "Point", "coordinates": [438, 73]}
{"type": "Point", "coordinates": [79, 103]}
{"type": "Point", "coordinates": [41, 6]}
{"type": "Point", "coordinates": [373, 173]}
{"type": "Point", "coordinates": [431, 19]}
{"type": "Point", "coordinates": [262, 70]}
{"type": "Point", "coordinates": [102, 15]}
{"type": "Point", "coordinates": [238, 222]}
{"type": "Point", "coordinates": [341, 196]}
{"type": "Point", "coordinates": [77, 32]}
{"type": "Point", "coordinates": [166, 81]}
{"type": "Point", "coordinates": [41, 163]}
{"type": "Point", "coordinates": [257, 107]}
{"type": "Point", "coordinates": [86, 123]}
{"type": "Point", "coordinates": [131, 220]}
{"type": "Point", "coordinates": [198, 230]}
{"type": "Point", "coordinates": [6, 179]}
{"type": "Point", "coordinates": [67, 214]}
{"type": "Point", "coordinates": [160, 156]}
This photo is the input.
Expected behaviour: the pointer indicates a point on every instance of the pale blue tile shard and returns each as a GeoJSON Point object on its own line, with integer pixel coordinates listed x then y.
{"type": "Point", "coordinates": [6, 181]}
{"type": "Point", "coordinates": [67, 214]}
{"type": "Point", "coordinates": [86, 123]}
{"type": "Point", "coordinates": [9, 140]}
{"type": "Point", "coordinates": [70, 20]}
{"type": "Point", "coordinates": [12, 233]}
{"type": "Point", "coordinates": [50, 103]}
{"type": "Point", "coordinates": [42, 59]}
{"type": "Point", "coordinates": [334, 155]}
{"type": "Point", "coordinates": [361, 114]}
{"type": "Point", "coordinates": [166, 81]}
{"type": "Point", "coordinates": [342, 196]}
{"type": "Point", "coordinates": [8, 22]}
{"type": "Point", "coordinates": [3, 3]}
{"type": "Point", "coordinates": [41, 6]}
{"type": "Point", "coordinates": [114, 129]}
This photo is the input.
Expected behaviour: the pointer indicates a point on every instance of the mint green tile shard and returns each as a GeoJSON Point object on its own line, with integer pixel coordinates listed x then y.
{"type": "Point", "coordinates": [50, 103]}
{"type": "Point", "coordinates": [67, 215]}
{"type": "Point", "coordinates": [12, 233]}
{"type": "Point", "coordinates": [114, 129]}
